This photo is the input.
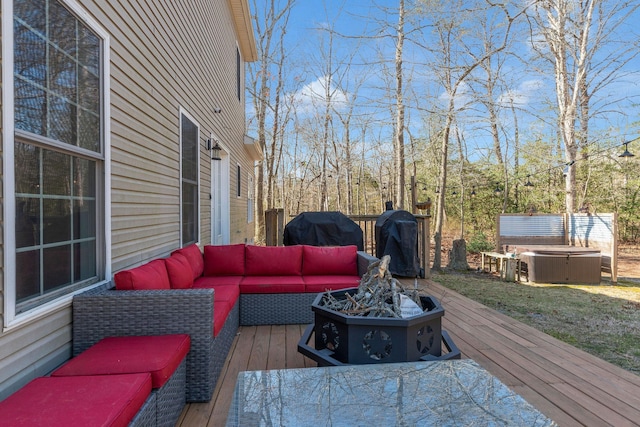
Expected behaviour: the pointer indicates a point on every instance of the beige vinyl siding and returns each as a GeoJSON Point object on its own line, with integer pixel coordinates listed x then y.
{"type": "Point", "coordinates": [165, 55]}
{"type": "Point", "coordinates": [34, 350]}
{"type": "Point", "coordinates": [148, 87]}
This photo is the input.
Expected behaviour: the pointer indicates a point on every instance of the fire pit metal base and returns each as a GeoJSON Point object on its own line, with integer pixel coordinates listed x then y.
{"type": "Point", "coordinates": [325, 357]}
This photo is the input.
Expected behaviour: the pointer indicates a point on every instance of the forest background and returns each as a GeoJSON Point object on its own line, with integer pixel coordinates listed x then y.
{"type": "Point", "coordinates": [482, 107]}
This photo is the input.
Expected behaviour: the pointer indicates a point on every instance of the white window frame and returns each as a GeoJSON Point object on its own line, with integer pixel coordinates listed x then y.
{"type": "Point", "coordinates": [103, 252]}
{"type": "Point", "coordinates": [183, 112]}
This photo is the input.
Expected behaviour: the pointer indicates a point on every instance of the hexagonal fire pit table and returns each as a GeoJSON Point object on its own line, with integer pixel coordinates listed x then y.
{"type": "Point", "coordinates": [346, 339]}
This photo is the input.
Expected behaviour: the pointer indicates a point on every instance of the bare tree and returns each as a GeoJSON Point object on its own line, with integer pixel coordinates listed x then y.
{"type": "Point", "coordinates": [268, 20]}
{"type": "Point", "coordinates": [574, 33]}
{"type": "Point", "coordinates": [457, 60]}
{"type": "Point", "coordinates": [399, 129]}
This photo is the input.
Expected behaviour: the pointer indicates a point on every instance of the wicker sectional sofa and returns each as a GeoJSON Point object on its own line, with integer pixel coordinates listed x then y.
{"type": "Point", "coordinates": [208, 294]}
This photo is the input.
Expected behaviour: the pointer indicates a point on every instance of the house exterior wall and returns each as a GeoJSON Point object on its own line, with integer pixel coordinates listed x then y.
{"type": "Point", "coordinates": [165, 58]}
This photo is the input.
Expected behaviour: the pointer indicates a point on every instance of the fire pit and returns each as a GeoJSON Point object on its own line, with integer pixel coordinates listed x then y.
{"type": "Point", "coordinates": [348, 337]}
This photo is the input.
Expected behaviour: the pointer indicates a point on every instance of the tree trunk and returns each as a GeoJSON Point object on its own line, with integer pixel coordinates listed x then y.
{"type": "Point", "coordinates": [458, 256]}
{"type": "Point", "coordinates": [399, 131]}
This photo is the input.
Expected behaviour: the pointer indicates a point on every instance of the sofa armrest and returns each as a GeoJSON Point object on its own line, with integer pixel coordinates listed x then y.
{"type": "Point", "coordinates": [97, 315]}
{"type": "Point", "coordinates": [364, 260]}
{"type": "Point", "coordinates": [101, 313]}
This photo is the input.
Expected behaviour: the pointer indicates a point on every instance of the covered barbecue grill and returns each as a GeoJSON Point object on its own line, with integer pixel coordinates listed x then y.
{"type": "Point", "coordinates": [397, 236]}
{"type": "Point", "coordinates": [323, 229]}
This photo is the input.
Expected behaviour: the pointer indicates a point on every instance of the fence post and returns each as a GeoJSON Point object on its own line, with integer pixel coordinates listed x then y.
{"type": "Point", "coordinates": [424, 244]}
{"type": "Point", "coordinates": [274, 227]}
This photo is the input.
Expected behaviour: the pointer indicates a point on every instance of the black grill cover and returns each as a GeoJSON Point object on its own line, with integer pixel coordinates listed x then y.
{"type": "Point", "coordinates": [397, 236]}
{"type": "Point", "coordinates": [323, 229]}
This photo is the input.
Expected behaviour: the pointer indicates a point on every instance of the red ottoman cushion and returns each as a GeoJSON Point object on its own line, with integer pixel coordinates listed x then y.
{"type": "Point", "coordinates": [109, 400]}
{"type": "Point", "coordinates": [152, 275]}
{"type": "Point", "coordinates": [158, 355]}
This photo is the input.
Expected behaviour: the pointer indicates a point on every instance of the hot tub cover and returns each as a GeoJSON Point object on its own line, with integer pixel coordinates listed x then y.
{"type": "Point", "coordinates": [323, 229]}
{"type": "Point", "coordinates": [397, 236]}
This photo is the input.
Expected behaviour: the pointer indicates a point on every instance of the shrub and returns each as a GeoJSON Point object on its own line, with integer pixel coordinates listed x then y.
{"type": "Point", "coordinates": [479, 243]}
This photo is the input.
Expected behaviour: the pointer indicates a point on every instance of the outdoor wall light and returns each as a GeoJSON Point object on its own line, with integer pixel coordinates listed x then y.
{"type": "Point", "coordinates": [215, 149]}
{"type": "Point", "coordinates": [626, 152]}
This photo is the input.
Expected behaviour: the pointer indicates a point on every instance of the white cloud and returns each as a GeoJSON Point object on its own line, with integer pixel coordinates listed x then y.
{"type": "Point", "coordinates": [522, 95]}
{"type": "Point", "coordinates": [313, 96]}
{"type": "Point", "coordinates": [462, 96]}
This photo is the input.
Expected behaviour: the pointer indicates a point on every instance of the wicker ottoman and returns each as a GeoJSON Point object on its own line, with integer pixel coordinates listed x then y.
{"type": "Point", "coordinates": [163, 356]}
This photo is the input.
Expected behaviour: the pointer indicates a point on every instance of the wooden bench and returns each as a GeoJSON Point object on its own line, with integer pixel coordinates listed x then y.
{"type": "Point", "coordinates": [508, 265]}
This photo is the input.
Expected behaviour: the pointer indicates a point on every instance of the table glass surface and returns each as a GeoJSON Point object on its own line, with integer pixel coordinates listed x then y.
{"type": "Point", "coordinates": [438, 393]}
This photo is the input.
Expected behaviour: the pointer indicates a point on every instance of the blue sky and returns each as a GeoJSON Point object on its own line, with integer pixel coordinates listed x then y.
{"type": "Point", "coordinates": [532, 90]}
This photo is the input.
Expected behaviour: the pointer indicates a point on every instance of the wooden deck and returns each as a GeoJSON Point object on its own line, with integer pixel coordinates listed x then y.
{"type": "Point", "coordinates": [566, 384]}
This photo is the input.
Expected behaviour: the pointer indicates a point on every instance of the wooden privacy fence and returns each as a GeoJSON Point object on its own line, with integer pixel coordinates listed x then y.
{"type": "Point", "coordinates": [599, 231]}
{"type": "Point", "coordinates": [274, 228]}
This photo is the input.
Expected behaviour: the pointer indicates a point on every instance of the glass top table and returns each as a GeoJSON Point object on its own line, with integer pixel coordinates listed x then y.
{"type": "Point", "coordinates": [438, 393]}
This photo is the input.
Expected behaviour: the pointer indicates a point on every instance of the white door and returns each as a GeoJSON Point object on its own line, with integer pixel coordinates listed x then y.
{"type": "Point", "coordinates": [220, 227]}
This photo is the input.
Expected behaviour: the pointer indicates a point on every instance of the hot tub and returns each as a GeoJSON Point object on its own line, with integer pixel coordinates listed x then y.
{"type": "Point", "coordinates": [562, 264]}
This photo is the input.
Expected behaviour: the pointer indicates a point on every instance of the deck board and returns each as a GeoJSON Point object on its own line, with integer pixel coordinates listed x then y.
{"type": "Point", "coordinates": [568, 385]}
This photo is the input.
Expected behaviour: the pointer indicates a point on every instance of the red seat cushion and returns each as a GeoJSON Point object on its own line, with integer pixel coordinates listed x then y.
{"type": "Point", "coordinates": [223, 292]}
{"type": "Point", "coordinates": [329, 283]}
{"type": "Point", "coordinates": [227, 293]}
{"type": "Point", "coordinates": [193, 254]}
{"type": "Point", "coordinates": [108, 400]}
{"type": "Point", "coordinates": [224, 260]}
{"type": "Point", "coordinates": [152, 275]}
{"type": "Point", "coordinates": [208, 282]}
{"type": "Point", "coordinates": [179, 271]}
{"type": "Point", "coordinates": [324, 260]}
{"type": "Point", "coordinates": [271, 285]}
{"type": "Point", "coordinates": [158, 355]}
{"type": "Point", "coordinates": [273, 260]}
{"type": "Point", "coordinates": [221, 310]}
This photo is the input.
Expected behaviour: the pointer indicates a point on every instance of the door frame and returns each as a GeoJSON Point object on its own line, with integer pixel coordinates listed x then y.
{"type": "Point", "coordinates": [220, 184]}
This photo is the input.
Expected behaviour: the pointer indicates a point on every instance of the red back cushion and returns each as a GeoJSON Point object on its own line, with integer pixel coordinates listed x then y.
{"type": "Point", "coordinates": [179, 270]}
{"type": "Point", "coordinates": [329, 260]}
{"type": "Point", "coordinates": [273, 260]}
{"type": "Point", "coordinates": [152, 275]}
{"type": "Point", "coordinates": [224, 260]}
{"type": "Point", "coordinates": [193, 254]}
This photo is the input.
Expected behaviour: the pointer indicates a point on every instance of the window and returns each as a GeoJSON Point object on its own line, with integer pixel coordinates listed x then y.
{"type": "Point", "coordinates": [238, 182]}
{"type": "Point", "coordinates": [189, 165]}
{"type": "Point", "coordinates": [238, 74]}
{"type": "Point", "coordinates": [250, 198]}
{"type": "Point", "coordinates": [58, 152]}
